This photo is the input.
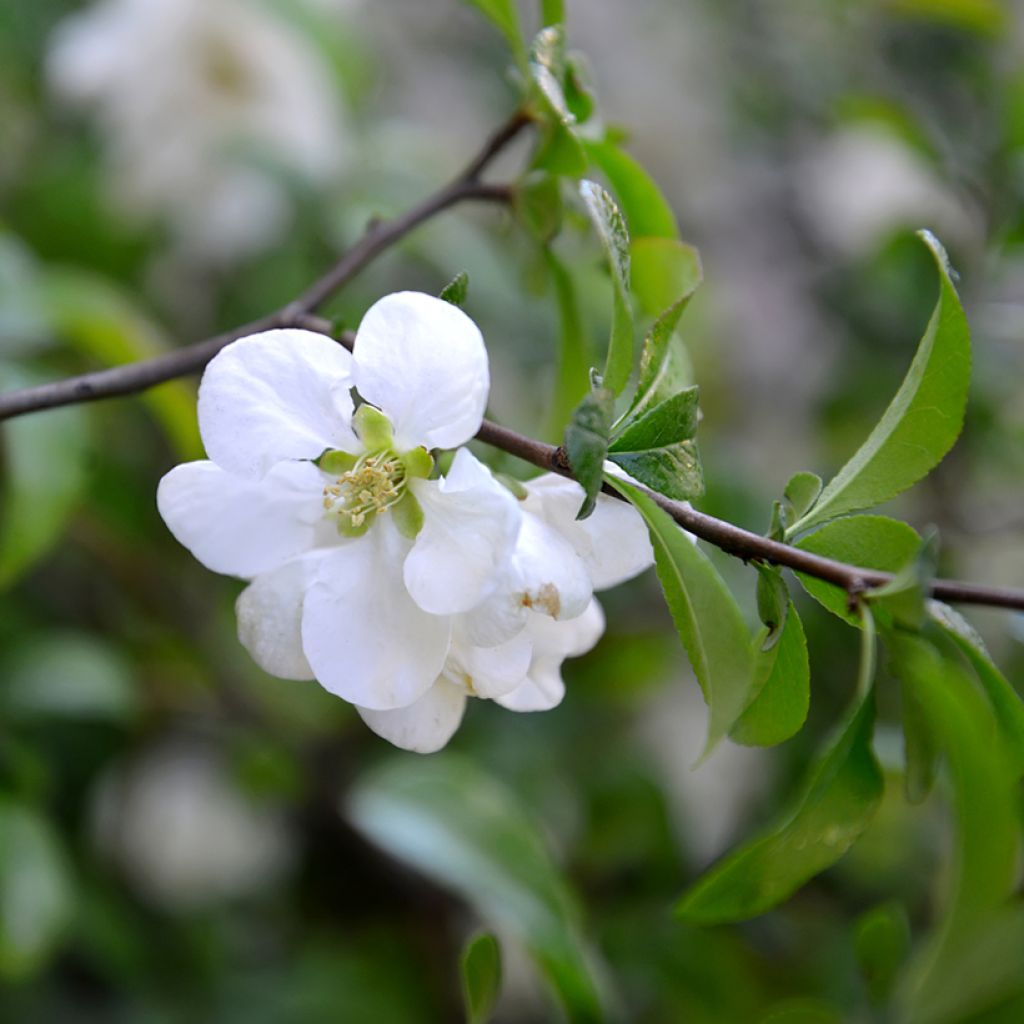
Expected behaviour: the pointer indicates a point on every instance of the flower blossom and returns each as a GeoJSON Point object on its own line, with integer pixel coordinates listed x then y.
{"type": "Point", "coordinates": [359, 562]}
{"type": "Point", "coordinates": [197, 101]}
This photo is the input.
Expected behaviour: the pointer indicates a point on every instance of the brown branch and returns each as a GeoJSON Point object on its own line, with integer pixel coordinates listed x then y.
{"type": "Point", "coordinates": [381, 235]}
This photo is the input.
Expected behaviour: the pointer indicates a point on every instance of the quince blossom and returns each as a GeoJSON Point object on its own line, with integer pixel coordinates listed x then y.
{"type": "Point", "coordinates": [359, 562]}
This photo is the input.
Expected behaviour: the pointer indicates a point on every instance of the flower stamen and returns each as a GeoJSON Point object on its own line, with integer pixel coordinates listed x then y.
{"type": "Point", "coordinates": [374, 484]}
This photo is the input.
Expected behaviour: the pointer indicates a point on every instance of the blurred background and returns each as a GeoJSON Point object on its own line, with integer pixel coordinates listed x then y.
{"type": "Point", "coordinates": [183, 838]}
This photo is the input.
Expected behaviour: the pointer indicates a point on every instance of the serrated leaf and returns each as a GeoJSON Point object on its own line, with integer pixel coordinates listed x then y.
{"type": "Point", "coordinates": [481, 977]}
{"type": "Point", "coordinates": [1006, 703]}
{"type": "Point", "coordinates": [586, 444]}
{"type": "Point", "coordinates": [35, 890]}
{"type": "Point", "coordinates": [456, 289]}
{"type": "Point", "coordinates": [466, 831]}
{"type": "Point", "coordinates": [611, 229]}
{"type": "Point", "coordinates": [922, 421]}
{"type": "Point", "coordinates": [538, 204]}
{"type": "Point", "coordinates": [782, 676]}
{"type": "Point", "coordinates": [44, 462]}
{"type": "Point", "coordinates": [504, 15]}
{"type": "Point", "coordinates": [663, 271]}
{"type": "Point", "coordinates": [772, 602]}
{"type": "Point", "coordinates": [706, 615]}
{"type": "Point", "coordinates": [802, 492]}
{"type": "Point", "coordinates": [870, 542]}
{"type": "Point", "coordinates": [837, 804]}
{"type": "Point", "coordinates": [647, 211]}
{"type": "Point", "coordinates": [572, 369]}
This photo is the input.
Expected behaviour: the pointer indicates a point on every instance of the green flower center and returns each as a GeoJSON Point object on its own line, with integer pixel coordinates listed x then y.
{"type": "Point", "coordinates": [374, 484]}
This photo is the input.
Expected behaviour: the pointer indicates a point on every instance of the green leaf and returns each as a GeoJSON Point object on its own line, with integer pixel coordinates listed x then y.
{"type": "Point", "coordinates": [881, 939]}
{"type": "Point", "coordinates": [772, 602]}
{"type": "Point", "coordinates": [504, 15]}
{"type": "Point", "coordinates": [586, 444]}
{"type": "Point", "coordinates": [560, 151]}
{"type": "Point", "coordinates": [481, 977]}
{"type": "Point", "coordinates": [838, 802]}
{"type": "Point", "coordinates": [552, 12]}
{"type": "Point", "coordinates": [706, 615]}
{"type": "Point", "coordinates": [903, 597]}
{"type": "Point", "coordinates": [1005, 701]}
{"type": "Point", "coordinates": [871, 542]}
{"type": "Point", "coordinates": [44, 474]}
{"type": "Point", "coordinates": [611, 229]}
{"type": "Point", "coordinates": [922, 421]}
{"type": "Point", "coordinates": [538, 204]}
{"type": "Point", "coordinates": [920, 748]}
{"type": "Point", "coordinates": [801, 492]}
{"type": "Point", "coordinates": [663, 271]}
{"type": "Point", "coordinates": [572, 372]}
{"type": "Point", "coordinates": [985, 805]}
{"type": "Point", "coordinates": [104, 323]}
{"type": "Point", "coordinates": [646, 209]}
{"type": "Point", "coordinates": [35, 890]}
{"type": "Point", "coordinates": [783, 684]}
{"type": "Point", "coordinates": [456, 289]}
{"type": "Point", "coordinates": [657, 448]}
{"type": "Point", "coordinates": [462, 828]}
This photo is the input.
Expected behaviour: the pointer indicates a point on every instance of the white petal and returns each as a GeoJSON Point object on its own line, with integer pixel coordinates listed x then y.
{"type": "Point", "coordinates": [613, 541]}
{"type": "Point", "coordinates": [269, 613]}
{"type": "Point", "coordinates": [366, 639]}
{"type": "Point", "coordinates": [424, 726]}
{"type": "Point", "coordinates": [423, 362]}
{"type": "Point", "coordinates": [491, 671]}
{"type": "Point", "coordinates": [277, 395]}
{"type": "Point", "coordinates": [553, 642]}
{"type": "Point", "coordinates": [238, 526]}
{"type": "Point", "coordinates": [470, 523]}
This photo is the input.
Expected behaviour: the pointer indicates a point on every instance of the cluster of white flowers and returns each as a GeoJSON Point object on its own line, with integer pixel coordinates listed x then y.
{"type": "Point", "coordinates": [198, 100]}
{"type": "Point", "coordinates": [401, 592]}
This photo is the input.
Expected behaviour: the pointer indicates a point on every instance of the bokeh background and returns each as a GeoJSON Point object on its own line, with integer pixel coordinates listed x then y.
{"type": "Point", "coordinates": [183, 838]}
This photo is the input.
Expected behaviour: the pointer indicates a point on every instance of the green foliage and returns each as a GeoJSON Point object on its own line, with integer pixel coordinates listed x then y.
{"type": "Point", "coordinates": [559, 149]}
{"type": "Point", "coordinates": [538, 204]}
{"type": "Point", "coordinates": [646, 209]}
{"type": "Point", "coordinates": [882, 942]}
{"type": "Point", "coordinates": [922, 421]}
{"type": "Point", "coordinates": [707, 618]}
{"type": "Point", "coordinates": [772, 602]}
{"type": "Point", "coordinates": [838, 801]}
{"type": "Point", "coordinates": [456, 825]}
{"type": "Point", "coordinates": [481, 977]}
{"type": "Point", "coordinates": [611, 229]}
{"type": "Point", "coordinates": [663, 270]}
{"type": "Point", "coordinates": [572, 367]}
{"type": "Point", "coordinates": [504, 15]}
{"type": "Point", "coordinates": [782, 684]}
{"type": "Point", "coordinates": [456, 289]}
{"type": "Point", "coordinates": [586, 444]}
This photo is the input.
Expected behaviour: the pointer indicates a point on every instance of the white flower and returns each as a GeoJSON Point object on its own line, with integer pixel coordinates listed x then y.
{"type": "Point", "coordinates": [197, 99]}
{"type": "Point", "coordinates": [510, 648]}
{"type": "Point", "coordinates": [358, 561]}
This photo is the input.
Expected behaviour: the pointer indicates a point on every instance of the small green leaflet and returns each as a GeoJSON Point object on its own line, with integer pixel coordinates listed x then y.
{"type": "Point", "coordinates": [465, 830]}
{"type": "Point", "coordinates": [658, 448]}
{"type": "Point", "coordinates": [707, 617]}
{"type": "Point", "coordinates": [611, 229]}
{"type": "Point", "coordinates": [783, 685]}
{"type": "Point", "coordinates": [560, 150]}
{"type": "Point", "coordinates": [772, 602]}
{"type": "Point", "coordinates": [801, 492]}
{"type": "Point", "coordinates": [586, 443]}
{"type": "Point", "coordinates": [481, 977]}
{"type": "Point", "coordinates": [881, 938]}
{"type": "Point", "coordinates": [504, 15]}
{"type": "Point", "coordinates": [839, 800]}
{"type": "Point", "coordinates": [456, 289]}
{"type": "Point", "coordinates": [922, 421]}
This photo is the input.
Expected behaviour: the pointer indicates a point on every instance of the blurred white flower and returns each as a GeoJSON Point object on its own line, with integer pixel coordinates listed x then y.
{"type": "Point", "coordinates": [510, 648]}
{"type": "Point", "coordinates": [864, 184]}
{"type": "Point", "coordinates": [202, 105]}
{"type": "Point", "coordinates": [359, 562]}
{"type": "Point", "coordinates": [176, 824]}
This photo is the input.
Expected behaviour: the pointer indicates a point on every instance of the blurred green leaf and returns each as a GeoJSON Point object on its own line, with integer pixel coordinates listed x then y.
{"type": "Point", "coordinates": [456, 289]}
{"type": "Point", "coordinates": [707, 617]}
{"type": "Point", "coordinates": [920, 747]}
{"type": "Point", "coordinates": [481, 977]}
{"type": "Point", "coordinates": [783, 685]}
{"type": "Point", "coordinates": [43, 459]}
{"type": "Point", "coordinates": [646, 209]}
{"type": "Point", "coordinates": [586, 444]}
{"type": "Point", "coordinates": [611, 229]}
{"type": "Point", "coordinates": [802, 492]}
{"type": "Point", "coordinates": [538, 204]}
{"type": "Point", "coordinates": [572, 372]}
{"type": "Point", "coordinates": [447, 819]}
{"type": "Point", "coordinates": [552, 12]}
{"type": "Point", "coordinates": [504, 15]}
{"type": "Point", "coordinates": [839, 799]}
{"type": "Point", "coordinates": [871, 542]}
{"type": "Point", "coordinates": [772, 602]}
{"type": "Point", "coordinates": [104, 324]}
{"type": "Point", "coordinates": [35, 890]}
{"type": "Point", "coordinates": [664, 270]}
{"type": "Point", "coordinates": [657, 448]}
{"type": "Point", "coordinates": [922, 421]}
{"type": "Point", "coordinates": [560, 150]}
{"type": "Point", "coordinates": [987, 823]}
{"type": "Point", "coordinates": [903, 597]}
{"type": "Point", "coordinates": [881, 939]}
